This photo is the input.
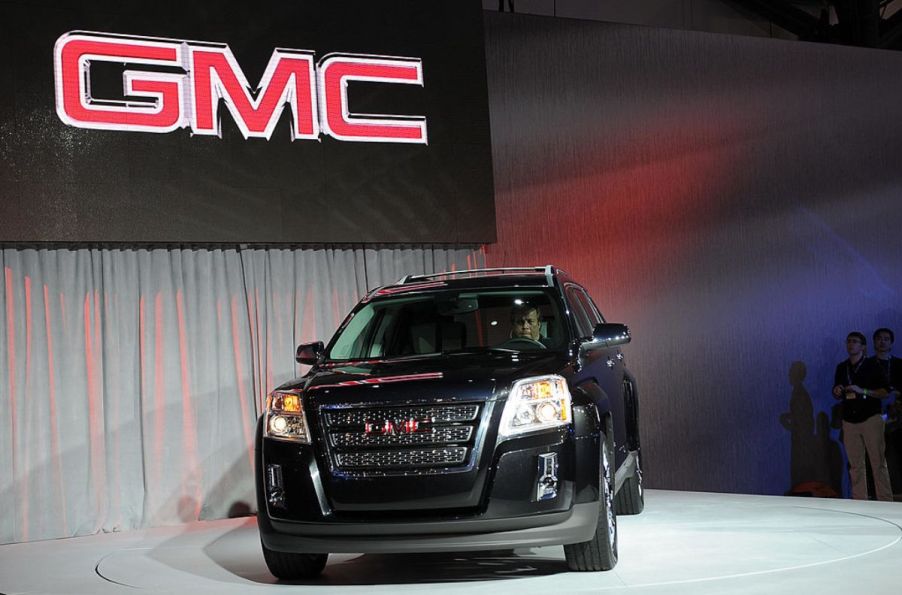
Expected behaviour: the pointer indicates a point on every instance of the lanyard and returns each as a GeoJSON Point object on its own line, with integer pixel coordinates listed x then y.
{"type": "Point", "coordinates": [850, 372]}
{"type": "Point", "coordinates": [887, 370]}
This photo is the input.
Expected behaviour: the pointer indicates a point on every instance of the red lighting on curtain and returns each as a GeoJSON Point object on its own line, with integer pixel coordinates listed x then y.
{"type": "Point", "coordinates": [189, 424]}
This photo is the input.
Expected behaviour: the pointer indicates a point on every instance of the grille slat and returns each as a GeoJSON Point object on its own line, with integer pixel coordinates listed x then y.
{"type": "Point", "coordinates": [408, 437]}
{"type": "Point", "coordinates": [433, 436]}
{"type": "Point", "coordinates": [432, 414]}
{"type": "Point", "coordinates": [402, 459]}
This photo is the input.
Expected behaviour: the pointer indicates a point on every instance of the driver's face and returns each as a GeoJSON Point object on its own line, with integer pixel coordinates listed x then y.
{"type": "Point", "coordinates": [526, 326]}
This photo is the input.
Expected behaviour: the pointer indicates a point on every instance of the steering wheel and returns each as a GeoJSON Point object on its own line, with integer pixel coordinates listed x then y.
{"type": "Point", "coordinates": [523, 341]}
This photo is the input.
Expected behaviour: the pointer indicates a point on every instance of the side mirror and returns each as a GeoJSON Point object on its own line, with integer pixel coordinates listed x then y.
{"type": "Point", "coordinates": [309, 353]}
{"type": "Point", "coordinates": [611, 334]}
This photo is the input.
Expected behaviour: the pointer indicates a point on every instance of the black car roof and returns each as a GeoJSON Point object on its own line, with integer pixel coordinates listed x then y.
{"type": "Point", "coordinates": [472, 279]}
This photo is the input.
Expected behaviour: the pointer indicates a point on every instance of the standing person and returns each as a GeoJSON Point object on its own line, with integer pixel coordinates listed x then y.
{"type": "Point", "coordinates": [891, 367]}
{"type": "Point", "coordinates": [860, 385]}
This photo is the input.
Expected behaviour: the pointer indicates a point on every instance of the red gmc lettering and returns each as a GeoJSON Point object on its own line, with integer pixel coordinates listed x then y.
{"type": "Point", "coordinates": [334, 74]}
{"type": "Point", "coordinates": [288, 79]}
{"type": "Point", "coordinates": [163, 91]}
{"type": "Point", "coordinates": [165, 101]}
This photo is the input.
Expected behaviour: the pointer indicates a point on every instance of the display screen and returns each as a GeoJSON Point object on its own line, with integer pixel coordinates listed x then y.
{"type": "Point", "coordinates": [267, 122]}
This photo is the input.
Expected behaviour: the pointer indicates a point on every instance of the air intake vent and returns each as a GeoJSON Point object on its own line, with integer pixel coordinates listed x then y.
{"type": "Point", "coordinates": [402, 459]}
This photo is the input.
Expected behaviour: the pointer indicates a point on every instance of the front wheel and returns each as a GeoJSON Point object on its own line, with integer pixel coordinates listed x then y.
{"type": "Point", "coordinates": [631, 497]}
{"type": "Point", "coordinates": [600, 552]}
{"type": "Point", "coordinates": [289, 566]}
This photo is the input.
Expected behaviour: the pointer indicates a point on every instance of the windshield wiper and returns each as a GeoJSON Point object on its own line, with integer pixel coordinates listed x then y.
{"type": "Point", "coordinates": [373, 360]}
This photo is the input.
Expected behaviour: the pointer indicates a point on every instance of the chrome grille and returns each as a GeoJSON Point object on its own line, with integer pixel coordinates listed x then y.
{"type": "Point", "coordinates": [408, 437]}
{"type": "Point", "coordinates": [402, 459]}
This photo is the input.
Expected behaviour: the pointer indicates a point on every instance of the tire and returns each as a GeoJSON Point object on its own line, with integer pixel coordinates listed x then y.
{"type": "Point", "coordinates": [600, 552]}
{"type": "Point", "coordinates": [631, 497]}
{"type": "Point", "coordinates": [288, 566]}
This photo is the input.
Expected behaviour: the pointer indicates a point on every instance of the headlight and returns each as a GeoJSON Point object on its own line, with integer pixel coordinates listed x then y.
{"type": "Point", "coordinates": [536, 404]}
{"type": "Point", "coordinates": [285, 419]}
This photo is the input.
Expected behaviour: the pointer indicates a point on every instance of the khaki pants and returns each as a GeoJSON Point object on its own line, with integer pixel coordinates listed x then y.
{"type": "Point", "coordinates": [867, 438]}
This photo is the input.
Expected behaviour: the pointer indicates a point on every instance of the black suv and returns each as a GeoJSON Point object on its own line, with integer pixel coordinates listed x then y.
{"type": "Point", "coordinates": [473, 410]}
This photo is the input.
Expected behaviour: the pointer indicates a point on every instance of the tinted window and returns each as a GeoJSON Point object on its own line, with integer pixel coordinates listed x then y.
{"type": "Point", "coordinates": [577, 307]}
{"type": "Point", "coordinates": [448, 322]}
{"type": "Point", "coordinates": [594, 308]}
{"type": "Point", "coordinates": [589, 306]}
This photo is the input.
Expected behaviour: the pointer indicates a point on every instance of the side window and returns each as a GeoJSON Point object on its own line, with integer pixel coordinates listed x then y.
{"type": "Point", "coordinates": [577, 308]}
{"type": "Point", "coordinates": [597, 311]}
{"type": "Point", "coordinates": [589, 306]}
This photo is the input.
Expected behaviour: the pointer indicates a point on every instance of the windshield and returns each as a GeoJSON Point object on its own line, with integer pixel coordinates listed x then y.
{"type": "Point", "coordinates": [448, 322]}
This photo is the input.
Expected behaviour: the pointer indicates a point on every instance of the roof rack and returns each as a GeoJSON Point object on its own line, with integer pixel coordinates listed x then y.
{"type": "Point", "coordinates": [547, 270]}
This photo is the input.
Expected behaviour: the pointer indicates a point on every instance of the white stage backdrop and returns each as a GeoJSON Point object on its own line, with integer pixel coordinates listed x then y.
{"type": "Point", "coordinates": [131, 380]}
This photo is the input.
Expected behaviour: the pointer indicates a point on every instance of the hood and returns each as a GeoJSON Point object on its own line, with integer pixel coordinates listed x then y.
{"type": "Point", "coordinates": [464, 376]}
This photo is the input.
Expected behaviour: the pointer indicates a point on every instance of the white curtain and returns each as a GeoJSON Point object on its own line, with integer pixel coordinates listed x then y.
{"type": "Point", "coordinates": [131, 380]}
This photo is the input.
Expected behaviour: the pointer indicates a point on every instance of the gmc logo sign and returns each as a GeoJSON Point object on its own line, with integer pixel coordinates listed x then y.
{"type": "Point", "coordinates": [391, 426]}
{"type": "Point", "coordinates": [164, 101]}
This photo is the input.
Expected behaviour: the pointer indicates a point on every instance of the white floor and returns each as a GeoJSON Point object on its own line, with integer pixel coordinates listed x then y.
{"type": "Point", "coordinates": [684, 542]}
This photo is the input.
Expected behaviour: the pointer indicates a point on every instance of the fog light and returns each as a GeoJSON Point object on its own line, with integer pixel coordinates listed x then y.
{"type": "Point", "coordinates": [547, 483]}
{"type": "Point", "coordinates": [276, 493]}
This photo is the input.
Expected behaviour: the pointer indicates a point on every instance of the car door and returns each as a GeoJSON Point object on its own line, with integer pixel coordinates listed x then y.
{"type": "Point", "coordinates": [604, 364]}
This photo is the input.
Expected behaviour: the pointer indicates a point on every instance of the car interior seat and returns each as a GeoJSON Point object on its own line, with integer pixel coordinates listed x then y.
{"type": "Point", "coordinates": [453, 336]}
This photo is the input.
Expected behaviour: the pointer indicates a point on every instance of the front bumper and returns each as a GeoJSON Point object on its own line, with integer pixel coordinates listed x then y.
{"type": "Point", "coordinates": [418, 513]}
{"type": "Point", "coordinates": [575, 525]}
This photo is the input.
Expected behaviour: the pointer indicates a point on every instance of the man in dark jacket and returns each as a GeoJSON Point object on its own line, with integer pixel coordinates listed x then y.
{"type": "Point", "coordinates": [860, 384]}
{"type": "Point", "coordinates": [891, 367]}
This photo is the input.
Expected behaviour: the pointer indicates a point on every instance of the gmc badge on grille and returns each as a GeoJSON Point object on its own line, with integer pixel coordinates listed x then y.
{"type": "Point", "coordinates": [390, 426]}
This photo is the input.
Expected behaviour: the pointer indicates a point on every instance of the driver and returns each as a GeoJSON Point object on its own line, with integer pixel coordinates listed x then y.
{"type": "Point", "coordinates": [526, 323]}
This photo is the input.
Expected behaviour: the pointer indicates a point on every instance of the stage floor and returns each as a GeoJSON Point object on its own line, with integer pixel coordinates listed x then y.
{"type": "Point", "coordinates": [684, 542]}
